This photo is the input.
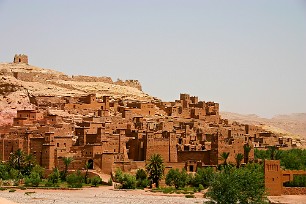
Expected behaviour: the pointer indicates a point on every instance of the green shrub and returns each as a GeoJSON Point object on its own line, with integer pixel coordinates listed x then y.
{"type": "Point", "coordinates": [168, 190]}
{"type": "Point", "coordinates": [22, 188]}
{"type": "Point", "coordinates": [96, 180]}
{"type": "Point", "coordinates": [118, 175]}
{"type": "Point", "coordinates": [2, 189]}
{"type": "Point", "coordinates": [13, 174]}
{"type": "Point", "coordinates": [203, 176]}
{"type": "Point", "coordinates": [141, 174]}
{"type": "Point", "coordinates": [189, 196]}
{"type": "Point", "coordinates": [128, 181]}
{"type": "Point", "coordinates": [39, 170]}
{"type": "Point", "coordinates": [201, 187]}
{"type": "Point", "coordinates": [33, 180]}
{"type": "Point", "coordinates": [29, 193]}
{"type": "Point", "coordinates": [110, 182]}
{"type": "Point", "coordinates": [12, 190]}
{"type": "Point", "coordinates": [177, 178]}
{"type": "Point", "coordinates": [4, 172]}
{"type": "Point", "coordinates": [75, 180]}
{"type": "Point", "coordinates": [54, 178]}
{"type": "Point", "coordinates": [142, 183]}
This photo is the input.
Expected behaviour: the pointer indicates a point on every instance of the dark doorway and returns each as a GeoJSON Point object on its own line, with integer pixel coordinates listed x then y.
{"type": "Point", "coordinates": [90, 162]}
{"type": "Point", "coordinates": [191, 168]}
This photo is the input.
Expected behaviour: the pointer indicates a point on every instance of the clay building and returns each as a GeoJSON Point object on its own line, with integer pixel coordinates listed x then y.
{"type": "Point", "coordinates": [122, 134]}
{"type": "Point", "coordinates": [21, 59]}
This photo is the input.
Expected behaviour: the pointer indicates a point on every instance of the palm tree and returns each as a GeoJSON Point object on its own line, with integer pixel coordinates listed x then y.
{"type": "Point", "coordinates": [67, 161]}
{"type": "Point", "coordinates": [155, 168]}
{"type": "Point", "coordinates": [224, 156]}
{"type": "Point", "coordinates": [29, 163]}
{"type": "Point", "coordinates": [247, 148]}
{"type": "Point", "coordinates": [239, 158]}
{"type": "Point", "coordinates": [272, 152]}
{"type": "Point", "coordinates": [87, 166]}
{"type": "Point", "coordinates": [17, 159]}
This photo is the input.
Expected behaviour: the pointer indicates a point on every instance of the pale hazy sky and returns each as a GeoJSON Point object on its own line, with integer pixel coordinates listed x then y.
{"type": "Point", "coordinates": [248, 55]}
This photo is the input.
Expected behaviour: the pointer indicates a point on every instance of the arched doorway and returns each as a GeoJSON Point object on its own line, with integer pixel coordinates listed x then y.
{"type": "Point", "coordinates": [90, 162]}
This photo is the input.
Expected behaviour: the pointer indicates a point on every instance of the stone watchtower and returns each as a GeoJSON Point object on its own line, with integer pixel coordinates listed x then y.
{"type": "Point", "coordinates": [21, 59]}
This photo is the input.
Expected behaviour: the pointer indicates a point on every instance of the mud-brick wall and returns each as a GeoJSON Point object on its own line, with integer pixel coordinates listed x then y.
{"type": "Point", "coordinates": [92, 79]}
{"type": "Point", "coordinates": [294, 191]}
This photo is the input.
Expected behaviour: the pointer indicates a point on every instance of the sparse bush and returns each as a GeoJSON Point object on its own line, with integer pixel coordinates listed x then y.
{"type": "Point", "coordinates": [12, 190]}
{"type": "Point", "coordinates": [9, 182]}
{"type": "Point", "coordinates": [96, 180]}
{"type": "Point", "coordinates": [110, 182]}
{"type": "Point", "coordinates": [189, 196]}
{"type": "Point", "coordinates": [53, 178]}
{"type": "Point", "coordinates": [201, 187]}
{"type": "Point", "coordinates": [75, 180]}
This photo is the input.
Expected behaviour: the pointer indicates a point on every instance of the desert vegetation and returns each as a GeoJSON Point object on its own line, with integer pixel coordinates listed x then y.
{"type": "Point", "coordinates": [21, 170]}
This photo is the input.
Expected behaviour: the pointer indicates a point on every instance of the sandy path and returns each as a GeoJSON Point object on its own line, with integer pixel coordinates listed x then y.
{"type": "Point", "coordinates": [5, 201]}
{"type": "Point", "coordinates": [95, 196]}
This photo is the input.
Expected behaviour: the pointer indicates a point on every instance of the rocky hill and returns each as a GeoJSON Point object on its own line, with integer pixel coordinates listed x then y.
{"type": "Point", "coordinates": [293, 125]}
{"type": "Point", "coordinates": [19, 81]}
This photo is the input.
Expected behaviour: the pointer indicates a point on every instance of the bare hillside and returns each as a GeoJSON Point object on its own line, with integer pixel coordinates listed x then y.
{"type": "Point", "coordinates": [19, 81]}
{"type": "Point", "coordinates": [291, 125]}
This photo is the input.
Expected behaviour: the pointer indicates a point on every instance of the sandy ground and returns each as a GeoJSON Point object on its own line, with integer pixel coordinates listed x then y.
{"type": "Point", "coordinates": [288, 199]}
{"type": "Point", "coordinates": [5, 201]}
{"type": "Point", "coordinates": [93, 196]}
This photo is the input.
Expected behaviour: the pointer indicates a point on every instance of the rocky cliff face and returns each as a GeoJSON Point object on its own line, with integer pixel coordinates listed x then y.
{"type": "Point", "coordinates": [19, 81]}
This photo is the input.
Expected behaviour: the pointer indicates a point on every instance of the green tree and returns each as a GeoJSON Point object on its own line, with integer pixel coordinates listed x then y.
{"type": "Point", "coordinates": [155, 168]}
{"type": "Point", "coordinates": [247, 149]}
{"type": "Point", "coordinates": [203, 177]}
{"type": "Point", "coordinates": [177, 178]}
{"type": "Point", "coordinates": [239, 157]}
{"type": "Point", "coordinates": [67, 161]}
{"type": "Point", "coordinates": [224, 157]}
{"type": "Point", "coordinates": [243, 185]}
